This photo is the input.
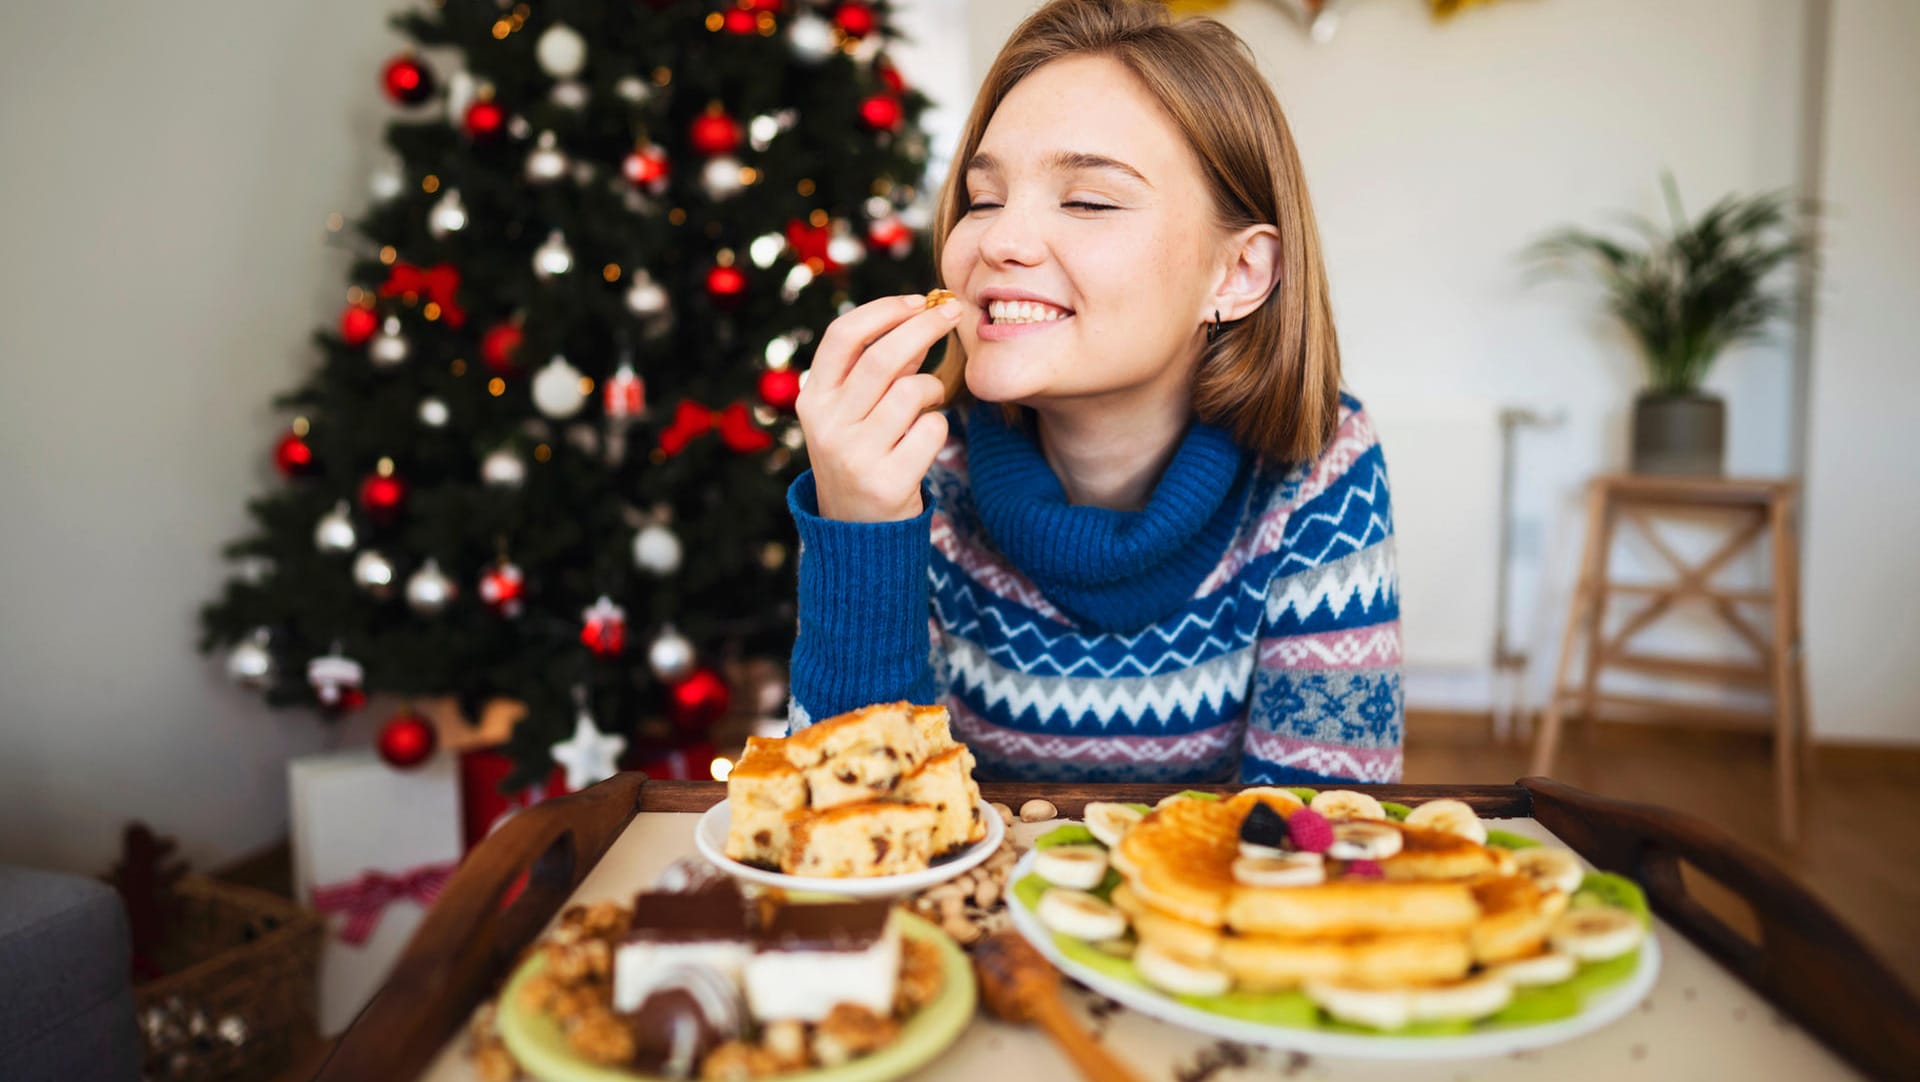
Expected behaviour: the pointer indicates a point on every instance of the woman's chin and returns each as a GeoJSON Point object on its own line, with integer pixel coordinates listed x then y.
{"type": "Point", "coordinates": [992, 383]}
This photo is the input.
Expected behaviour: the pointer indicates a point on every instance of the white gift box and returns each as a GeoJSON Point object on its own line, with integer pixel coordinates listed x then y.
{"type": "Point", "coordinates": [352, 814]}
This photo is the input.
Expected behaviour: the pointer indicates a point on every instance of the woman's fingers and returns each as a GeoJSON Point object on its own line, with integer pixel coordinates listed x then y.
{"type": "Point", "coordinates": [898, 353]}
{"type": "Point", "coordinates": [917, 449]}
{"type": "Point", "coordinates": [904, 402]}
{"type": "Point", "coordinates": [849, 335]}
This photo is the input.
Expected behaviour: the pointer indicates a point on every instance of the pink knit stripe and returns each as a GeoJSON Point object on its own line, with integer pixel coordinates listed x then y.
{"type": "Point", "coordinates": [1332, 760]}
{"type": "Point", "coordinates": [1349, 648]}
{"type": "Point", "coordinates": [1002, 743]}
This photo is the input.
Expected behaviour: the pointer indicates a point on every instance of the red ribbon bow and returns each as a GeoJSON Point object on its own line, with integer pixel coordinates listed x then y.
{"type": "Point", "coordinates": [365, 900]}
{"type": "Point", "coordinates": [735, 424]}
{"type": "Point", "coordinates": [438, 283]}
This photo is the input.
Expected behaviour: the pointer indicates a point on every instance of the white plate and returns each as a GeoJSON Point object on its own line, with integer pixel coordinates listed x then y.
{"type": "Point", "coordinates": [1599, 1009]}
{"type": "Point", "coordinates": [710, 837]}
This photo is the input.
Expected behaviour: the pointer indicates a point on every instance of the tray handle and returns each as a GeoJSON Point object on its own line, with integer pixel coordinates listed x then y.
{"type": "Point", "coordinates": [1805, 960]}
{"type": "Point", "coordinates": [474, 934]}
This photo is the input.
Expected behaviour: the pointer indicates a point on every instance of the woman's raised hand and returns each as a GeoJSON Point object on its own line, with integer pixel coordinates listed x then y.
{"type": "Point", "coordinates": [870, 417]}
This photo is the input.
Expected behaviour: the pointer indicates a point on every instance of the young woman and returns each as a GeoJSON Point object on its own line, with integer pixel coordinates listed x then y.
{"type": "Point", "coordinates": [1130, 529]}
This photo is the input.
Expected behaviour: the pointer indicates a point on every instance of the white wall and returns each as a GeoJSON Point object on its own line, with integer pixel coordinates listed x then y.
{"type": "Point", "coordinates": [1862, 560]}
{"type": "Point", "coordinates": [165, 175]}
{"type": "Point", "coordinates": [1435, 152]}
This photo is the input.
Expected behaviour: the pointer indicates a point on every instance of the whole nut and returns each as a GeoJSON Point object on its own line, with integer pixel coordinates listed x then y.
{"type": "Point", "coordinates": [988, 894]}
{"type": "Point", "coordinates": [1006, 813]}
{"type": "Point", "coordinates": [961, 929]}
{"type": "Point", "coordinates": [1038, 811]}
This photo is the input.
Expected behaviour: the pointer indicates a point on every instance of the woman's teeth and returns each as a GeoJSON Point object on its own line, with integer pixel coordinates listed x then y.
{"type": "Point", "coordinates": [1024, 312]}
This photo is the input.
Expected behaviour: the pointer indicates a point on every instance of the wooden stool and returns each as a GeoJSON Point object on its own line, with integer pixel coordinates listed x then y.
{"type": "Point", "coordinates": [1757, 508]}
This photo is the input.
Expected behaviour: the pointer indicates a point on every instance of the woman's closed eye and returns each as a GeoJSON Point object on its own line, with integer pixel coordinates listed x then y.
{"type": "Point", "coordinates": [1076, 204]}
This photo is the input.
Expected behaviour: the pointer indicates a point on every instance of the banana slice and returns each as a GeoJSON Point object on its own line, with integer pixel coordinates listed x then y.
{"type": "Point", "coordinates": [1285, 870]}
{"type": "Point", "coordinates": [1451, 816]}
{"type": "Point", "coordinates": [1381, 1008]}
{"type": "Point", "coordinates": [1364, 840]}
{"type": "Point", "coordinates": [1080, 915]}
{"type": "Point", "coordinates": [1079, 867]}
{"type": "Point", "coordinates": [1347, 804]}
{"type": "Point", "coordinates": [1110, 822]}
{"type": "Point", "coordinates": [1551, 868]}
{"type": "Point", "coordinates": [1461, 1001]}
{"type": "Point", "coordinates": [1552, 967]}
{"type": "Point", "coordinates": [1171, 974]}
{"type": "Point", "coordinates": [1595, 934]}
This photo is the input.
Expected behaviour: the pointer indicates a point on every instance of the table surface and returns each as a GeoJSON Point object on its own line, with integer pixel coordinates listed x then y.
{"type": "Point", "coordinates": [1699, 1021]}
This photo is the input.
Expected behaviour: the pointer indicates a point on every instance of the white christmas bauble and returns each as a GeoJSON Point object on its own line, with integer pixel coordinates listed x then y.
{"type": "Point", "coordinates": [553, 257]}
{"type": "Point", "coordinates": [334, 532]}
{"type": "Point", "coordinates": [633, 88]}
{"type": "Point", "coordinates": [429, 590]}
{"type": "Point", "coordinates": [386, 181]}
{"type": "Point", "coordinates": [448, 215]}
{"type": "Point", "coordinates": [570, 94]}
{"type": "Point", "coordinates": [373, 573]}
{"type": "Point", "coordinates": [547, 162]}
{"type": "Point", "coordinates": [503, 468]}
{"type": "Point", "coordinates": [556, 389]}
{"type": "Point", "coordinates": [250, 663]}
{"type": "Point", "coordinates": [645, 298]}
{"type": "Point", "coordinates": [780, 351]}
{"type": "Point", "coordinates": [762, 130]}
{"type": "Point", "coordinates": [434, 413]}
{"type": "Point", "coordinates": [389, 347]}
{"type": "Point", "coordinates": [656, 550]}
{"type": "Point", "coordinates": [721, 177]}
{"type": "Point", "coordinates": [562, 52]}
{"type": "Point", "coordinates": [811, 38]}
{"type": "Point", "coordinates": [845, 248]}
{"type": "Point", "coordinates": [670, 656]}
{"type": "Point", "coordinates": [765, 249]}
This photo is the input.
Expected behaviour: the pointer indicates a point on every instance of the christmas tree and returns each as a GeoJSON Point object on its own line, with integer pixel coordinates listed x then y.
{"type": "Point", "coordinates": [544, 454]}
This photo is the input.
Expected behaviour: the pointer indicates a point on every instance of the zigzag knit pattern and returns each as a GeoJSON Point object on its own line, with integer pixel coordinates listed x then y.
{"type": "Point", "coordinates": [1282, 667]}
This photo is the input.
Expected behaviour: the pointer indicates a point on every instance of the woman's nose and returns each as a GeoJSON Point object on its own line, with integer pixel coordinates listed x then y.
{"type": "Point", "coordinates": [1013, 236]}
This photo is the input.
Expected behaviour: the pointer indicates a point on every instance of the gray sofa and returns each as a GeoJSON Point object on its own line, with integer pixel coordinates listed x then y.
{"type": "Point", "coordinates": [66, 994]}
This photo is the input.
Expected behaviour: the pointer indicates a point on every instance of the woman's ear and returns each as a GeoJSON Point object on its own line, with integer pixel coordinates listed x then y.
{"type": "Point", "coordinates": [1251, 270]}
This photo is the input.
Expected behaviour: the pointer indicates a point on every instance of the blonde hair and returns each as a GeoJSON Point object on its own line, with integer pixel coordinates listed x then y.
{"type": "Point", "coordinates": [1272, 378]}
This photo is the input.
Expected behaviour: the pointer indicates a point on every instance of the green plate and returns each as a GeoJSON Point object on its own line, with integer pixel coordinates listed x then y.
{"type": "Point", "coordinates": [536, 1041]}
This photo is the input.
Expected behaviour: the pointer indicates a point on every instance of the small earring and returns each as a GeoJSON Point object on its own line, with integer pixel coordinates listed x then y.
{"type": "Point", "coordinates": [1213, 329]}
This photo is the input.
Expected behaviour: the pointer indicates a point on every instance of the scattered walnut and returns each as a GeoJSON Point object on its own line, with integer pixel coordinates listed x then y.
{"type": "Point", "coordinates": [738, 1061]}
{"type": "Point", "coordinates": [850, 1031]}
{"type": "Point", "coordinates": [600, 1036]}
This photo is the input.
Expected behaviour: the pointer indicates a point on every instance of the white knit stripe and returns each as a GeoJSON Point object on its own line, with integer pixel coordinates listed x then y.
{"type": "Point", "coordinates": [1362, 764]}
{"type": "Point", "coordinates": [1046, 747]}
{"type": "Point", "coordinates": [1220, 685]}
{"type": "Point", "coordinates": [990, 570]}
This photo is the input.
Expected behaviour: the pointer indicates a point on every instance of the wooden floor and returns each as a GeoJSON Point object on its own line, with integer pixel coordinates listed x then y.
{"type": "Point", "coordinates": [1860, 852]}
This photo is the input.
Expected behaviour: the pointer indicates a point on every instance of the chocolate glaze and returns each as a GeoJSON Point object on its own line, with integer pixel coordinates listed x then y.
{"type": "Point", "coordinates": [832, 926]}
{"type": "Point", "coordinates": [710, 911]}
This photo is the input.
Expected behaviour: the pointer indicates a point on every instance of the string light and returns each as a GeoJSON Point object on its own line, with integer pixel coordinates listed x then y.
{"type": "Point", "coordinates": [429, 184]}
{"type": "Point", "coordinates": [496, 386]}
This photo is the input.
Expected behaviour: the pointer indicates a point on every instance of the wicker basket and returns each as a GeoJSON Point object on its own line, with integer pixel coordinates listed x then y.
{"type": "Point", "coordinates": [238, 1001]}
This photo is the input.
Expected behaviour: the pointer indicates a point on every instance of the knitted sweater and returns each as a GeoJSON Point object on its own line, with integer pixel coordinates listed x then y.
{"type": "Point", "coordinates": [1245, 623]}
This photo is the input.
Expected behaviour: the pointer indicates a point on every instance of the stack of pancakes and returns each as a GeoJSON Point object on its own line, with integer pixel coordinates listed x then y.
{"type": "Point", "coordinates": [1446, 903]}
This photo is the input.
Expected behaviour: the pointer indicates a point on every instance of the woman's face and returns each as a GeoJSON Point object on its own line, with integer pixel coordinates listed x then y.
{"type": "Point", "coordinates": [1088, 250]}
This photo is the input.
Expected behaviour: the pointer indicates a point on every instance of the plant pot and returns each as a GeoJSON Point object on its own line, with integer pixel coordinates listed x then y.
{"type": "Point", "coordinates": [1679, 434]}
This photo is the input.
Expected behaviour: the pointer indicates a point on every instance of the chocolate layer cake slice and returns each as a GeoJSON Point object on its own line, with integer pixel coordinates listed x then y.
{"type": "Point", "coordinates": [810, 958]}
{"type": "Point", "coordinates": [705, 927]}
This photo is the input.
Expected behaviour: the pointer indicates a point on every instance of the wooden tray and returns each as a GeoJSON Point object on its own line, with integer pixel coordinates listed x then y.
{"type": "Point", "coordinates": [1800, 957]}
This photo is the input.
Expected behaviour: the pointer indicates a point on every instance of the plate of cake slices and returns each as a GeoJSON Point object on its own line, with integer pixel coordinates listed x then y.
{"type": "Point", "coordinates": [695, 979]}
{"type": "Point", "coordinates": [879, 802]}
{"type": "Point", "coordinates": [1331, 923]}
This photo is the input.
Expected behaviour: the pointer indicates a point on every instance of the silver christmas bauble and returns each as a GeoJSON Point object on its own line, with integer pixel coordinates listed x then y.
{"type": "Point", "coordinates": [762, 130]}
{"type": "Point", "coordinates": [250, 663]}
{"type": "Point", "coordinates": [449, 214]}
{"type": "Point", "coordinates": [553, 257]}
{"type": "Point", "coordinates": [670, 655]}
{"type": "Point", "coordinates": [569, 94]}
{"type": "Point", "coordinates": [656, 550]}
{"type": "Point", "coordinates": [645, 298]}
{"type": "Point", "coordinates": [429, 590]}
{"type": "Point", "coordinates": [389, 347]}
{"type": "Point", "coordinates": [556, 389]}
{"type": "Point", "coordinates": [386, 181]}
{"type": "Point", "coordinates": [766, 249]}
{"type": "Point", "coordinates": [547, 162]}
{"type": "Point", "coordinates": [562, 52]}
{"type": "Point", "coordinates": [721, 177]}
{"type": "Point", "coordinates": [503, 468]}
{"type": "Point", "coordinates": [845, 248]}
{"type": "Point", "coordinates": [811, 38]}
{"type": "Point", "coordinates": [374, 573]}
{"type": "Point", "coordinates": [434, 413]}
{"type": "Point", "coordinates": [633, 88]}
{"type": "Point", "coordinates": [334, 532]}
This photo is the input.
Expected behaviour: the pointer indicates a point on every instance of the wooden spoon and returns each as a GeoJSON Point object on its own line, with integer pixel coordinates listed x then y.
{"type": "Point", "coordinates": [1019, 985]}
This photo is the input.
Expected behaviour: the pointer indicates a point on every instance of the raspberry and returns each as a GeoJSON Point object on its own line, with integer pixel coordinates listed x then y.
{"type": "Point", "coordinates": [1365, 869]}
{"type": "Point", "coordinates": [1310, 831]}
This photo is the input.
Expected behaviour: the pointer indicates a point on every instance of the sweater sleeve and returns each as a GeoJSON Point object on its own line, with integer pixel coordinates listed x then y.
{"type": "Point", "coordinates": [1326, 703]}
{"type": "Point", "coordinates": [864, 605]}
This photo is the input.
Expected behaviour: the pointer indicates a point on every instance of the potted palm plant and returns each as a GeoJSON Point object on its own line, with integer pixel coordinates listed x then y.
{"type": "Point", "coordinates": [1686, 294]}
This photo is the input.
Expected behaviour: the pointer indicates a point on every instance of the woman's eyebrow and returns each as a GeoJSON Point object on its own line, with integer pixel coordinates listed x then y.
{"type": "Point", "coordinates": [1064, 161]}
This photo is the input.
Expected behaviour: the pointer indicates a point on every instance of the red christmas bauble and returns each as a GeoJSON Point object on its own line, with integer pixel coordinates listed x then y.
{"type": "Point", "coordinates": [882, 112]}
{"type": "Point", "coordinates": [887, 232]}
{"type": "Point", "coordinates": [382, 496]}
{"type": "Point", "coordinates": [406, 741]}
{"type": "Point", "coordinates": [485, 119]}
{"type": "Point", "coordinates": [739, 21]}
{"type": "Point", "coordinates": [499, 345]}
{"type": "Point", "coordinates": [699, 700]}
{"type": "Point", "coordinates": [780, 388]}
{"type": "Point", "coordinates": [646, 167]}
{"type": "Point", "coordinates": [771, 7]}
{"type": "Point", "coordinates": [726, 284]}
{"type": "Point", "coordinates": [856, 20]}
{"type": "Point", "coordinates": [504, 588]}
{"type": "Point", "coordinates": [407, 81]}
{"type": "Point", "coordinates": [890, 78]}
{"type": "Point", "coordinates": [714, 132]}
{"type": "Point", "coordinates": [293, 456]}
{"type": "Point", "coordinates": [357, 324]}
